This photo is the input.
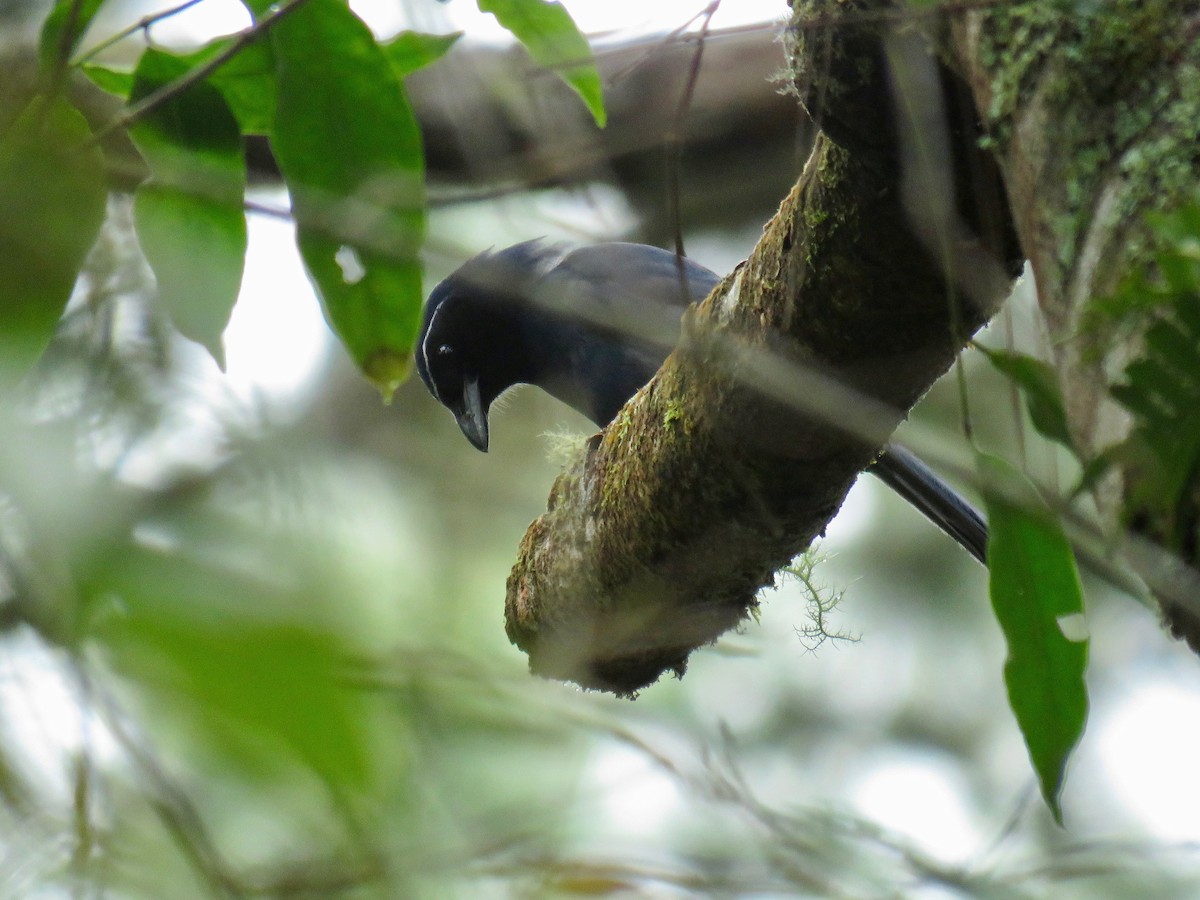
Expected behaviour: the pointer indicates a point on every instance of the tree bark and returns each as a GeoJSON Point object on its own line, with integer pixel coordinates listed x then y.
{"type": "Point", "coordinates": [788, 379]}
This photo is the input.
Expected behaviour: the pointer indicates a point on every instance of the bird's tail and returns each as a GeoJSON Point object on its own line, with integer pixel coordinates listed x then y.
{"type": "Point", "coordinates": [904, 473]}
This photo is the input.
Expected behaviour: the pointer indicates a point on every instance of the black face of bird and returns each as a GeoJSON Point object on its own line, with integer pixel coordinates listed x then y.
{"type": "Point", "coordinates": [454, 358]}
{"type": "Point", "coordinates": [589, 326]}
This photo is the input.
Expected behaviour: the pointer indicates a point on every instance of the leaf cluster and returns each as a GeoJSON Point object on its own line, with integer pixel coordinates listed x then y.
{"type": "Point", "coordinates": [190, 597]}
{"type": "Point", "coordinates": [310, 76]}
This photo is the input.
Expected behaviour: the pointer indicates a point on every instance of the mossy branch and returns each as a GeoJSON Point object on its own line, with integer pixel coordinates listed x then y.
{"type": "Point", "coordinates": [659, 536]}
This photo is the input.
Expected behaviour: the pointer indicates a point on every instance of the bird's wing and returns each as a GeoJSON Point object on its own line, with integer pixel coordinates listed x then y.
{"type": "Point", "coordinates": [647, 275]}
{"type": "Point", "coordinates": [629, 289]}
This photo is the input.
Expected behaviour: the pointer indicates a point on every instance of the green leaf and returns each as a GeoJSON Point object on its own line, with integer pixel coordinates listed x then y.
{"type": "Point", "coordinates": [243, 660]}
{"type": "Point", "coordinates": [411, 50]}
{"type": "Point", "coordinates": [52, 193]}
{"type": "Point", "coordinates": [63, 29]}
{"type": "Point", "coordinates": [189, 215]}
{"type": "Point", "coordinates": [350, 151]}
{"type": "Point", "coordinates": [1038, 601]}
{"type": "Point", "coordinates": [553, 41]}
{"type": "Point", "coordinates": [246, 81]}
{"type": "Point", "coordinates": [110, 80]}
{"type": "Point", "coordinates": [1179, 350]}
{"type": "Point", "coordinates": [1039, 384]}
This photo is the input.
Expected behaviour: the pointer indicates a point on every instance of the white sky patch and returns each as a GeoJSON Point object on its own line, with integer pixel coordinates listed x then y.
{"type": "Point", "coordinates": [854, 518]}
{"type": "Point", "coordinates": [198, 25]}
{"type": "Point", "coordinates": [1074, 627]}
{"type": "Point", "coordinates": [920, 799]}
{"type": "Point", "coordinates": [636, 796]}
{"type": "Point", "coordinates": [622, 19]}
{"type": "Point", "coordinates": [43, 716]}
{"type": "Point", "coordinates": [1149, 746]}
{"type": "Point", "coordinates": [277, 341]}
{"type": "Point", "coordinates": [603, 21]}
{"type": "Point", "coordinates": [351, 266]}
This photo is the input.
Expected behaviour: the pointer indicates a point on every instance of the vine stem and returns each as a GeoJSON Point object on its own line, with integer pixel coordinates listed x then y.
{"type": "Point", "coordinates": [674, 139]}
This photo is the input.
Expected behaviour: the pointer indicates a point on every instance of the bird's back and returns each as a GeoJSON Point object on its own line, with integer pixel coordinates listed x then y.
{"type": "Point", "coordinates": [626, 301]}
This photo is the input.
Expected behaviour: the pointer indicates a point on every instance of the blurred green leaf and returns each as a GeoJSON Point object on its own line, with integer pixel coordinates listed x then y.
{"type": "Point", "coordinates": [246, 81]}
{"type": "Point", "coordinates": [63, 29]}
{"type": "Point", "coordinates": [189, 216]}
{"type": "Point", "coordinates": [412, 50]}
{"type": "Point", "coordinates": [246, 657]}
{"type": "Point", "coordinates": [350, 151]}
{"type": "Point", "coordinates": [1161, 388]}
{"type": "Point", "coordinates": [52, 193]}
{"type": "Point", "coordinates": [1095, 469]}
{"type": "Point", "coordinates": [1152, 289]}
{"type": "Point", "coordinates": [111, 80]}
{"type": "Point", "coordinates": [1038, 601]}
{"type": "Point", "coordinates": [552, 39]}
{"type": "Point", "coordinates": [1039, 384]}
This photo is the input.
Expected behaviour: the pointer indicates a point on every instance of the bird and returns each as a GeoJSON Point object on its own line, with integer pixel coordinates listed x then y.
{"type": "Point", "coordinates": [590, 326]}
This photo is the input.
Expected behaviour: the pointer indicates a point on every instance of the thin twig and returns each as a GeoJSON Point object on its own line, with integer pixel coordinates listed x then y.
{"type": "Point", "coordinates": [142, 24]}
{"type": "Point", "coordinates": [675, 135]}
{"type": "Point", "coordinates": [147, 104]}
{"type": "Point", "coordinates": [271, 212]}
{"type": "Point", "coordinates": [176, 810]}
{"type": "Point", "coordinates": [85, 837]}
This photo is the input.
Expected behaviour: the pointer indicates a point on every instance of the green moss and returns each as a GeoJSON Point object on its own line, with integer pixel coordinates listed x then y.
{"type": "Point", "coordinates": [815, 217]}
{"type": "Point", "coordinates": [1015, 43]}
{"type": "Point", "coordinates": [1108, 76]}
{"type": "Point", "coordinates": [673, 413]}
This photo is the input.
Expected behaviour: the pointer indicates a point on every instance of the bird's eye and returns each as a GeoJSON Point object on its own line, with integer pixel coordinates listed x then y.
{"type": "Point", "coordinates": [447, 368]}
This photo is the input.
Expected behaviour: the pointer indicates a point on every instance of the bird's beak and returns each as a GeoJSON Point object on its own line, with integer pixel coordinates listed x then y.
{"type": "Point", "coordinates": [473, 419]}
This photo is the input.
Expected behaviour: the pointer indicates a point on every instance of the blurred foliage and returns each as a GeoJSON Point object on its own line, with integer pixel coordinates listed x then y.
{"type": "Point", "coordinates": [1039, 384]}
{"type": "Point", "coordinates": [52, 191]}
{"type": "Point", "coordinates": [312, 78]}
{"type": "Point", "coordinates": [189, 213]}
{"type": "Point", "coordinates": [283, 681]}
{"type": "Point", "coordinates": [1161, 388]}
{"type": "Point", "coordinates": [546, 30]}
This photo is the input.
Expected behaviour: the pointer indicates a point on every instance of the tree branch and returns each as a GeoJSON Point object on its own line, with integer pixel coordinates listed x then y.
{"type": "Point", "coordinates": [737, 454]}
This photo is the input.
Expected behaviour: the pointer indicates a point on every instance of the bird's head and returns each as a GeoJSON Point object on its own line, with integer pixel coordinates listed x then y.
{"type": "Point", "coordinates": [470, 350]}
{"type": "Point", "coordinates": [452, 358]}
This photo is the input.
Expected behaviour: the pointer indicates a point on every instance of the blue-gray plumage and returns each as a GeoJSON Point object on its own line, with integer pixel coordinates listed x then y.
{"type": "Point", "coordinates": [591, 326]}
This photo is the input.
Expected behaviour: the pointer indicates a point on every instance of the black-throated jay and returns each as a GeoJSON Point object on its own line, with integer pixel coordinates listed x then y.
{"type": "Point", "coordinates": [591, 326]}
